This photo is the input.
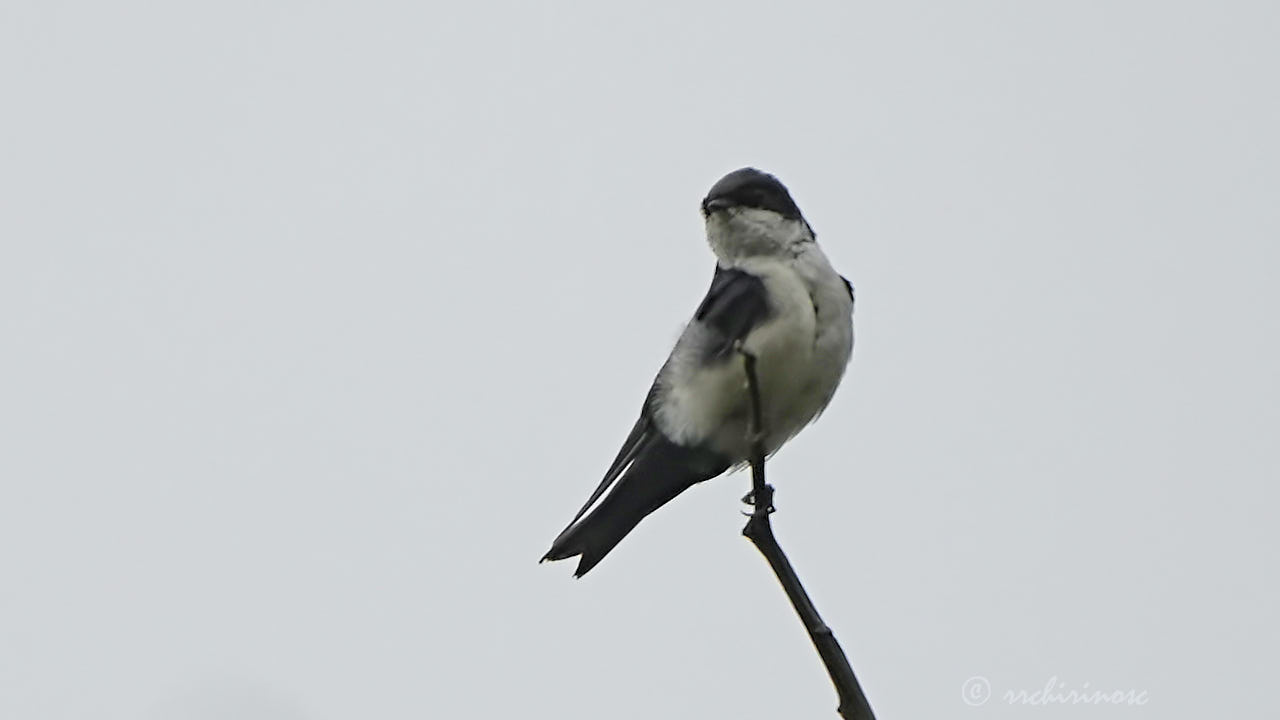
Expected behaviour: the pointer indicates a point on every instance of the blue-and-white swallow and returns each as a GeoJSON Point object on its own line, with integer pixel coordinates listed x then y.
{"type": "Point", "coordinates": [774, 295]}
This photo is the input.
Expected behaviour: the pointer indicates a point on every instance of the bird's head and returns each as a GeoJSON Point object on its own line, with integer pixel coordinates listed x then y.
{"type": "Point", "coordinates": [749, 212]}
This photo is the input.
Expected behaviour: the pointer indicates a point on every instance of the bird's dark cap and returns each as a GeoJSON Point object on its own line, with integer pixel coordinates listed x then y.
{"type": "Point", "coordinates": [751, 188]}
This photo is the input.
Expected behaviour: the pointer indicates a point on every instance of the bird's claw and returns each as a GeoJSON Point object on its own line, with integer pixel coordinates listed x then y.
{"type": "Point", "coordinates": [750, 499]}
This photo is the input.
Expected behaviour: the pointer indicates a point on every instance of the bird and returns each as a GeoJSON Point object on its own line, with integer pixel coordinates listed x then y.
{"type": "Point", "coordinates": [773, 295]}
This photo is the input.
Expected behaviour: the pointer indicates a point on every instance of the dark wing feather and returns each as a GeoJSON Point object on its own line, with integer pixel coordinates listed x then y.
{"type": "Point", "coordinates": [650, 470]}
{"type": "Point", "coordinates": [639, 437]}
{"type": "Point", "coordinates": [736, 302]}
{"type": "Point", "coordinates": [660, 472]}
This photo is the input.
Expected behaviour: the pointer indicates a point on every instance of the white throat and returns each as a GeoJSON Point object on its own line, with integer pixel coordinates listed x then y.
{"type": "Point", "coordinates": [740, 233]}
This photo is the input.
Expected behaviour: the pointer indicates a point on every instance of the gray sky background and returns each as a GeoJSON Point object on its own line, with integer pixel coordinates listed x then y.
{"type": "Point", "coordinates": [320, 320]}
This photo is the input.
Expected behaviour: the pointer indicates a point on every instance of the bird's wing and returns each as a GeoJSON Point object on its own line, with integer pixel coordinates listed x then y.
{"type": "Point", "coordinates": [736, 303]}
{"type": "Point", "coordinates": [637, 440]}
{"type": "Point", "coordinates": [651, 469]}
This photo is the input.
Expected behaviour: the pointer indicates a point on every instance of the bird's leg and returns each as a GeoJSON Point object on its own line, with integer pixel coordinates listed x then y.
{"type": "Point", "coordinates": [761, 495]}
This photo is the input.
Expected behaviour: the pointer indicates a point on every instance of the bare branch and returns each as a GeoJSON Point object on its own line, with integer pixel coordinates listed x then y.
{"type": "Point", "coordinates": [853, 703]}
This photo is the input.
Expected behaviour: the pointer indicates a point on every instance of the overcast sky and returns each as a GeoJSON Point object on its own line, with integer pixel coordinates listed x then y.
{"type": "Point", "coordinates": [320, 320]}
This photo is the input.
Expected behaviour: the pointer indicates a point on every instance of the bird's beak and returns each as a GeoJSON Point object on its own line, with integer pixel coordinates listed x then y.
{"type": "Point", "coordinates": [711, 205]}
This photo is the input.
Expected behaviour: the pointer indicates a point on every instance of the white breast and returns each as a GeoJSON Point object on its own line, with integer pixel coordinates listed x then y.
{"type": "Point", "coordinates": [801, 353]}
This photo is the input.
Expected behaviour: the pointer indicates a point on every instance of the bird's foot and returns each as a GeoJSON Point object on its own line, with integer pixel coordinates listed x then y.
{"type": "Point", "coordinates": [750, 499]}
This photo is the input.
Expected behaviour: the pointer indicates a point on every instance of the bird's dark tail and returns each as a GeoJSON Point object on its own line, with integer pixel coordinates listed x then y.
{"type": "Point", "coordinates": [660, 472]}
